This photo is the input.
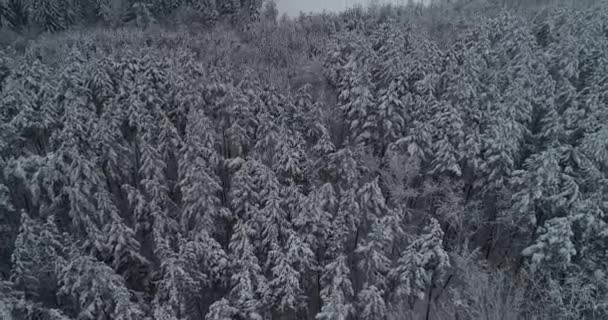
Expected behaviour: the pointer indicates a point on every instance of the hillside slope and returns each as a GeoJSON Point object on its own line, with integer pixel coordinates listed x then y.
{"type": "Point", "coordinates": [390, 163]}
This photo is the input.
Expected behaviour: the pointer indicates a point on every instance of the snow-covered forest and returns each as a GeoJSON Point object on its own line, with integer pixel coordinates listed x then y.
{"type": "Point", "coordinates": [211, 160]}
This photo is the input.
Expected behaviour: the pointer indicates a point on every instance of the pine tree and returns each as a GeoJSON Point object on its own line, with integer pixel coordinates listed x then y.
{"type": "Point", "coordinates": [213, 256]}
{"type": "Point", "coordinates": [208, 9]}
{"type": "Point", "coordinates": [342, 168]}
{"type": "Point", "coordinates": [324, 145]}
{"type": "Point", "coordinates": [459, 85]}
{"type": "Point", "coordinates": [253, 184]}
{"type": "Point", "coordinates": [275, 228]}
{"type": "Point", "coordinates": [270, 11]}
{"type": "Point", "coordinates": [245, 199]}
{"type": "Point", "coordinates": [95, 291]}
{"type": "Point", "coordinates": [248, 292]}
{"type": "Point", "coordinates": [371, 202]}
{"type": "Point", "coordinates": [315, 216]}
{"type": "Point", "coordinates": [285, 285]}
{"type": "Point", "coordinates": [345, 222]}
{"type": "Point", "coordinates": [112, 11]}
{"type": "Point", "coordinates": [371, 304]}
{"type": "Point", "coordinates": [7, 225]}
{"type": "Point", "coordinates": [337, 291]}
{"type": "Point", "coordinates": [181, 280]}
{"type": "Point", "coordinates": [299, 254]}
{"type": "Point", "coordinates": [143, 14]}
{"type": "Point", "coordinates": [538, 185]}
{"type": "Point", "coordinates": [14, 306]}
{"type": "Point", "coordinates": [268, 136]}
{"type": "Point", "coordinates": [15, 14]}
{"type": "Point", "coordinates": [372, 238]}
{"type": "Point", "coordinates": [373, 260]}
{"type": "Point", "coordinates": [239, 123]}
{"type": "Point", "coordinates": [100, 83]}
{"type": "Point", "coordinates": [200, 186]}
{"type": "Point", "coordinates": [228, 6]}
{"type": "Point", "coordinates": [554, 244]}
{"type": "Point", "coordinates": [356, 98]}
{"type": "Point", "coordinates": [122, 250]}
{"type": "Point", "coordinates": [221, 310]}
{"type": "Point", "coordinates": [163, 6]}
{"type": "Point", "coordinates": [422, 262]}
{"type": "Point", "coordinates": [49, 15]}
{"type": "Point", "coordinates": [390, 114]}
{"type": "Point", "coordinates": [499, 158]}
{"type": "Point", "coordinates": [5, 69]}
{"type": "Point", "coordinates": [187, 275]}
{"type": "Point", "coordinates": [289, 157]}
{"type": "Point", "coordinates": [3, 15]}
{"type": "Point", "coordinates": [292, 200]}
{"type": "Point", "coordinates": [448, 136]}
{"type": "Point", "coordinates": [28, 101]}
{"type": "Point", "coordinates": [417, 143]}
{"type": "Point", "coordinates": [36, 254]}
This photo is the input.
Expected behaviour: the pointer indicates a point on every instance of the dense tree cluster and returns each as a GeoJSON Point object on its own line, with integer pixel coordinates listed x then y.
{"type": "Point", "coordinates": [56, 15]}
{"type": "Point", "coordinates": [352, 166]}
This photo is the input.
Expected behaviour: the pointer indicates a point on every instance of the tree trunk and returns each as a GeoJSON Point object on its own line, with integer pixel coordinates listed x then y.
{"type": "Point", "coordinates": [429, 300]}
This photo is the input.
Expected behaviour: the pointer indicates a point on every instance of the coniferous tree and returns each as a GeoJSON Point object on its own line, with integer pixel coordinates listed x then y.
{"type": "Point", "coordinates": [7, 223]}
{"type": "Point", "coordinates": [208, 9]}
{"type": "Point", "coordinates": [372, 305]}
{"type": "Point", "coordinates": [221, 310]}
{"type": "Point", "coordinates": [37, 248]}
{"type": "Point", "coordinates": [200, 186]}
{"type": "Point", "coordinates": [15, 13]}
{"type": "Point", "coordinates": [248, 294]}
{"type": "Point", "coordinates": [337, 291]}
{"type": "Point", "coordinates": [422, 262]}
{"type": "Point", "coordinates": [95, 291]}
{"type": "Point", "coordinates": [285, 285]}
{"type": "Point", "coordinates": [50, 15]}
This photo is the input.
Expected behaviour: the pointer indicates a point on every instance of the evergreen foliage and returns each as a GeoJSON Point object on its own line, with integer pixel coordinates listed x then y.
{"type": "Point", "coordinates": [393, 162]}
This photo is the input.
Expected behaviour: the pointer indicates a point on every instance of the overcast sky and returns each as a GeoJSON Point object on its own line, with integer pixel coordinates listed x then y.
{"type": "Point", "coordinates": [293, 7]}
